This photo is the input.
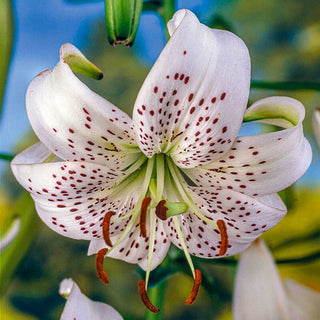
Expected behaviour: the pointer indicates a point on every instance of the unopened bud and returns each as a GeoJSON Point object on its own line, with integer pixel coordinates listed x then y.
{"type": "Point", "coordinates": [122, 20]}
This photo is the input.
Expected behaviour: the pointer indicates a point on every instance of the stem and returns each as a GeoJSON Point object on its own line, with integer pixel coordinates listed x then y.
{"type": "Point", "coordinates": [285, 85]}
{"type": "Point", "coordinates": [6, 157]}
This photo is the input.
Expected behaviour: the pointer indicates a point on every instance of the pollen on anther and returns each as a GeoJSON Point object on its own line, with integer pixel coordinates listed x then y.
{"type": "Point", "coordinates": [224, 237]}
{"type": "Point", "coordinates": [99, 265]}
{"type": "Point", "coordinates": [196, 286]}
{"type": "Point", "coordinates": [143, 216]}
{"type": "Point", "coordinates": [106, 227]}
{"type": "Point", "coordinates": [144, 297]}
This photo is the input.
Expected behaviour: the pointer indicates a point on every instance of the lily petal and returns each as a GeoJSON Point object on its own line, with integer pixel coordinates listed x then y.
{"type": "Point", "coordinates": [258, 292]}
{"type": "Point", "coordinates": [265, 163]}
{"type": "Point", "coordinates": [246, 218]}
{"type": "Point", "coordinates": [316, 124]}
{"type": "Point", "coordinates": [80, 307]}
{"type": "Point", "coordinates": [304, 303]}
{"type": "Point", "coordinates": [71, 197]}
{"type": "Point", "coordinates": [186, 106]}
{"type": "Point", "coordinates": [97, 131]}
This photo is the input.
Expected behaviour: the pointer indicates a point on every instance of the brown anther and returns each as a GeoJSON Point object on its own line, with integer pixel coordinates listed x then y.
{"type": "Point", "coordinates": [195, 289]}
{"type": "Point", "coordinates": [224, 237]}
{"type": "Point", "coordinates": [144, 297]}
{"type": "Point", "coordinates": [143, 216]}
{"type": "Point", "coordinates": [106, 227]}
{"type": "Point", "coordinates": [99, 265]}
{"type": "Point", "coordinates": [161, 210]}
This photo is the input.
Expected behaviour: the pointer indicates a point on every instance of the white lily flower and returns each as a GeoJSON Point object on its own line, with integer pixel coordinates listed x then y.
{"type": "Point", "coordinates": [80, 307]}
{"type": "Point", "coordinates": [316, 124]}
{"type": "Point", "coordinates": [174, 173]}
{"type": "Point", "coordinates": [260, 294]}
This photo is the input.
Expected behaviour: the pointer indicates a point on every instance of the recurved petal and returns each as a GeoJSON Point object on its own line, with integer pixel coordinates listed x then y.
{"type": "Point", "coordinates": [265, 163]}
{"type": "Point", "coordinates": [71, 197]}
{"type": "Point", "coordinates": [245, 218]}
{"type": "Point", "coordinates": [192, 102]}
{"type": "Point", "coordinates": [74, 122]}
{"type": "Point", "coordinates": [316, 124]}
{"type": "Point", "coordinates": [134, 248]}
{"type": "Point", "coordinates": [80, 307]}
{"type": "Point", "coordinates": [258, 292]}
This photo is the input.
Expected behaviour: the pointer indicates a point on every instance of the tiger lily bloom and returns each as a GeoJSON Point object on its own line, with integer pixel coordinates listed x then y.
{"type": "Point", "coordinates": [80, 307]}
{"type": "Point", "coordinates": [177, 172]}
{"type": "Point", "coordinates": [260, 293]}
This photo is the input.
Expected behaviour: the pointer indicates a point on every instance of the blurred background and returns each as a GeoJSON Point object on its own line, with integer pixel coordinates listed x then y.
{"type": "Point", "coordinates": [283, 38]}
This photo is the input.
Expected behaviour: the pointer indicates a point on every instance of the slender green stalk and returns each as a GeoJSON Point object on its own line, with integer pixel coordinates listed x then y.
{"type": "Point", "coordinates": [285, 85]}
{"type": "Point", "coordinates": [6, 157]}
{"type": "Point", "coordinates": [6, 36]}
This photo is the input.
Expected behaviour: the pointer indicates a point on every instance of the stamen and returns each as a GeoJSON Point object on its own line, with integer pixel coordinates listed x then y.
{"type": "Point", "coordinates": [144, 297]}
{"type": "Point", "coordinates": [224, 237]}
{"type": "Point", "coordinates": [106, 227]}
{"type": "Point", "coordinates": [196, 286]}
{"type": "Point", "coordinates": [99, 265]}
{"type": "Point", "coordinates": [143, 216]}
{"type": "Point", "coordinates": [161, 210]}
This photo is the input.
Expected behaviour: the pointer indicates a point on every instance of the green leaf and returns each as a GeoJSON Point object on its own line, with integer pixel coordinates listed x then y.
{"type": "Point", "coordinates": [6, 36]}
{"type": "Point", "coordinates": [16, 250]}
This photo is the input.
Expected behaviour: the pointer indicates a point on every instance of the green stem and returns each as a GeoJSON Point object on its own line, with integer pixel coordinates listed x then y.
{"type": "Point", "coordinates": [6, 36]}
{"type": "Point", "coordinates": [6, 157]}
{"type": "Point", "coordinates": [285, 85]}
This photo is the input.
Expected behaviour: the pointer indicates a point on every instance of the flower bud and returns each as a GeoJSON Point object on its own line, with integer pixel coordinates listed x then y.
{"type": "Point", "coordinates": [122, 20]}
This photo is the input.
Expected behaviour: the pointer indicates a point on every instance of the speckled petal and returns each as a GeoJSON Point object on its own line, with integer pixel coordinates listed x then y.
{"type": "Point", "coordinates": [134, 248]}
{"type": "Point", "coordinates": [265, 163]}
{"type": "Point", "coordinates": [71, 197]}
{"type": "Point", "coordinates": [80, 307]}
{"type": "Point", "coordinates": [192, 103]}
{"type": "Point", "coordinates": [245, 219]}
{"type": "Point", "coordinates": [74, 122]}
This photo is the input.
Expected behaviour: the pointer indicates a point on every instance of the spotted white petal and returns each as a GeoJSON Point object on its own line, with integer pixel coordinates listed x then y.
{"type": "Point", "coordinates": [265, 163]}
{"type": "Point", "coordinates": [74, 122]}
{"type": "Point", "coordinates": [80, 307]}
{"type": "Point", "coordinates": [246, 218]}
{"type": "Point", "coordinates": [71, 197]}
{"type": "Point", "coordinates": [258, 292]}
{"type": "Point", "coordinates": [316, 124]}
{"type": "Point", "coordinates": [192, 102]}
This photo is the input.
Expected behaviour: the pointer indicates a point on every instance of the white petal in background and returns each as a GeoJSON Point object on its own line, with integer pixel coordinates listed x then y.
{"type": "Point", "coordinates": [260, 294]}
{"type": "Point", "coordinates": [316, 124]}
{"type": "Point", "coordinates": [80, 307]}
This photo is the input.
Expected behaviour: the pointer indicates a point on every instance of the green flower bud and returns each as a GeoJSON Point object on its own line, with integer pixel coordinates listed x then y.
{"type": "Point", "coordinates": [122, 20]}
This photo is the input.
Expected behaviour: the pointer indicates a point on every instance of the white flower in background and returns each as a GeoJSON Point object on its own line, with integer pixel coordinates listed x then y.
{"type": "Point", "coordinates": [260, 294]}
{"type": "Point", "coordinates": [80, 307]}
{"type": "Point", "coordinates": [11, 234]}
{"type": "Point", "coordinates": [176, 172]}
{"type": "Point", "coordinates": [316, 124]}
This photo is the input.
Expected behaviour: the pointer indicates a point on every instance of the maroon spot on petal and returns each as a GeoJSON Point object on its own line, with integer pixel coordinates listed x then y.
{"type": "Point", "coordinates": [223, 96]}
{"type": "Point", "coordinates": [224, 129]}
{"type": "Point", "coordinates": [255, 153]}
{"type": "Point", "coordinates": [186, 80]}
{"type": "Point", "coordinates": [71, 131]}
{"type": "Point", "coordinates": [213, 100]}
{"type": "Point", "coordinates": [155, 89]}
{"type": "Point", "coordinates": [192, 110]}
{"type": "Point", "coordinates": [176, 76]}
{"type": "Point", "coordinates": [184, 52]}
{"type": "Point", "coordinates": [190, 97]}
